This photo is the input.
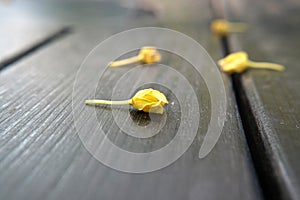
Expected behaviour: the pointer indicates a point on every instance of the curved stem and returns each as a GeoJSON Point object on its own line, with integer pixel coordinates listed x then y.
{"type": "Point", "coordinates": [265, 65]}
{"type": "Point", "coordinates": [100, 102]}
{"type": "Point", "coordinates": [125, 61]}
{"type": "Point", "coordinates": [237, 27]}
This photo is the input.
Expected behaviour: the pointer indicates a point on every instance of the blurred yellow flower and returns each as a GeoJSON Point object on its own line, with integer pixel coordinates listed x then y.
{"type": "Point", "coordinates": [147, 100]}
{"type": "Point", "coordinates": [238, 62]}
{"type": "Point", "coordinates": [222, 27]}
{"type": "Point", "coordinates": [147, 55]}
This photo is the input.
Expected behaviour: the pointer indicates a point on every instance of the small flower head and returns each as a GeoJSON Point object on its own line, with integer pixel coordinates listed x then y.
{"type": "Point", "coordinates": [239, 61]}
{"type": "Point", "coordinates": [149, 55]}
{"type": "Point", "coordinates": [149, 100]}
{"type": "Point", "coordinates": [235, 62]}
{"type": "Point", "coordinates": [222, 27]}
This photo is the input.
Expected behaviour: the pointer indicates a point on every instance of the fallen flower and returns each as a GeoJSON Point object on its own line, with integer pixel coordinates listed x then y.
{"type": "Point", "coordinates": [238, 62]}
{"type": "Point", "coordinates": [147, 100]}
{"type": "Point", "coordinates": [147, 55]}
{"type": "Point", "coordinates": [222, 27]}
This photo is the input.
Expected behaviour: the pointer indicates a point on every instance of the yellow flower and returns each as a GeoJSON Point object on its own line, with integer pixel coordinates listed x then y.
{"type": "Point", "coordinates": [222, 27]}
{"type": "Point", "coordinates": [147, 55]}
{"type": "Point", "coordinates": [238, 62]}
{"type": "Point", "coordinates": [147, 100]}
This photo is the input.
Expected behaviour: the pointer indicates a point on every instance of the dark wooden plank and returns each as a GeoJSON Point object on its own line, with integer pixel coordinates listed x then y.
{"type": "Point", "coordinates": [22, 39]}
{"type": "Point", "coordinates": [42, 156]}
{"type": "Point", "coordinates": [271, 99]}
{"type": "Point", "coordinates": [71, 12]}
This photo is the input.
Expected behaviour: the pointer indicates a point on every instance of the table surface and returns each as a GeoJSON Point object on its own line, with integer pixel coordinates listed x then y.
{"type": "Point", "coordinates": [41, 154]}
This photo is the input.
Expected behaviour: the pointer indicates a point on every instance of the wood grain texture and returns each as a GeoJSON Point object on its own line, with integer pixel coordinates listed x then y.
{"type": "Point", "coordinates": [42, 157]}
{"type": "Point", "coordinates": [272, 99]}
{"type": "Point", "coordinates": [24, 38]}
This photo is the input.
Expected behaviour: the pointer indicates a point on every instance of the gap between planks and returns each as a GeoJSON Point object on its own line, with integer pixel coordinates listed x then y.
{"type": "Point", "coordinates": [265, 168]}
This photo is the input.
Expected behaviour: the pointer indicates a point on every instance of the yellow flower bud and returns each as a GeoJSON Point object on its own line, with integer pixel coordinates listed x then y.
{"type": "Point", "coordinates": [238, 62]}
{"type": "Point", "coordinates": [147, 55]}
{"type": "Point", "coordinates": [222, 27]}
{"type": "Point", "coordinates": [147, 100]}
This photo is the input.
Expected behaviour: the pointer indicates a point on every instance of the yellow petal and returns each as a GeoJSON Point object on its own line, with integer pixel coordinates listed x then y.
{"type": "Point", "coordinates": [220, 27]}
{"type": "Point", "coordinates": [235, 62]}
{"type": "Point", "coordinates": [147, 99]}
{"type": "Point", "coordinates": [149, 55]}
{"type": "Point", "coordinates": [157, 109]}
{"type": "Point", "coordinates": [141, 104]}
{"type": "Point", "coordinates": [159, 96]}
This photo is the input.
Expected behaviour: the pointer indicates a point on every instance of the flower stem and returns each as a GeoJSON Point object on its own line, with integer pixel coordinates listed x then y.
{"type": "Point", "coordinates": [127, 61]}
{"type": "Point", "coordinates": [101, 102]}
{"type": "Point", "coordinates": [237, 27]}
{"type": "Point", "coordinates": [265, 65]}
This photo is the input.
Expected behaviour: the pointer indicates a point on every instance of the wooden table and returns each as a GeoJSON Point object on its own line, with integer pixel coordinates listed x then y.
{"type": "Point", "coordinates": [269, 101]}
{"type": "Point", "coordinates": [41, 154]}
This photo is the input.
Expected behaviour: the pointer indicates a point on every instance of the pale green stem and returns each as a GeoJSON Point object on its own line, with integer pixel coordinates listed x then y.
{"type": "Point", "coordinates": [127, 61]}
{"type": "Point", "coordinates": [99, 102]}
{"type": "Point", "coordinates": [237, 27]}
{"type": "Point", "coordinates": [265, 65]}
